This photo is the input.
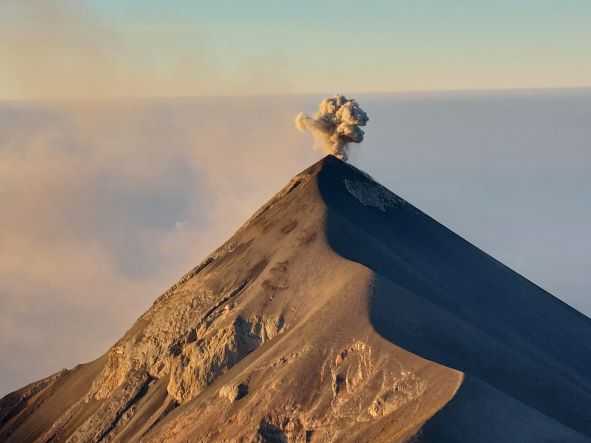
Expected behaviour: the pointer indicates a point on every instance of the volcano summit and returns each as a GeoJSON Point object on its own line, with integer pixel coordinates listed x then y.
{"type": "Point", "coordinates": [338, 312]}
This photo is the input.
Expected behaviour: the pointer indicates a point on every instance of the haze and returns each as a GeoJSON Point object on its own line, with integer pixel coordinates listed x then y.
{"type": "Point", "coordinates": [108, 48]}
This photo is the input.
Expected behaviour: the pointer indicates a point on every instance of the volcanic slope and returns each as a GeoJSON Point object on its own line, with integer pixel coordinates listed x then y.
{"type": "Point", "coordinates": [338, 312]}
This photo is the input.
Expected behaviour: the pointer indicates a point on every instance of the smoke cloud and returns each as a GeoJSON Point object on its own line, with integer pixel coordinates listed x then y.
{"type": "Point", "coordinates": [335, 125]}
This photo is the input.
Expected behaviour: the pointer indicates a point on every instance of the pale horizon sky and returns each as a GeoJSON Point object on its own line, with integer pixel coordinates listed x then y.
{"type": "Point", "coordinates": [107, 48]}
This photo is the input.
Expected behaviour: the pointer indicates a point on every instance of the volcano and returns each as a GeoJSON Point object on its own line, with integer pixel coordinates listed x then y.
{"type": "Point", "coordinates": [337, 312]}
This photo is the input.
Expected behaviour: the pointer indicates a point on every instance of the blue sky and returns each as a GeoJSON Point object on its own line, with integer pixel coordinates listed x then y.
{"type": "Point", "coordinates": [186, 48]}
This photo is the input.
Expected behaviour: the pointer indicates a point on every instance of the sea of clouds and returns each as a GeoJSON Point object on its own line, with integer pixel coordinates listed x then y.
{"type": "Point", "coordinates": [105, 204]}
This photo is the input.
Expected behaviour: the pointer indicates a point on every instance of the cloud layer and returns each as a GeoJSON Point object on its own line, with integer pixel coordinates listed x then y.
{"type": "Point", "coordinates": [104, 205]}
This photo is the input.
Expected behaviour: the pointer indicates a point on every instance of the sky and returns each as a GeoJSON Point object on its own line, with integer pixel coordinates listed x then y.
{"type": "Point", "coordinates": [121, 48]}
{"type": "Point", "coordinates": [107, 201]}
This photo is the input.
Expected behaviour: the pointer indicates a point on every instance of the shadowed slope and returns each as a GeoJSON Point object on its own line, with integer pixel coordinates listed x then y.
{"type": "Point", "coordinates": [442, 298]}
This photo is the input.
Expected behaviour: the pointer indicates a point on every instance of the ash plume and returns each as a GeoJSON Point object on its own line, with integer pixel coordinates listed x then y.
{"type": "Point", "coordinates": [336, 124]}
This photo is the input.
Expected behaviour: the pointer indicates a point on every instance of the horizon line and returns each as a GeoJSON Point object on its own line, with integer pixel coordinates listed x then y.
{"type": "Point", "coordinates": [469, 91]}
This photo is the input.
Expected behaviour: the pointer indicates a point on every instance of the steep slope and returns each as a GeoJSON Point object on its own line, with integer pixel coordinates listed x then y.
{"type": "Point", "coordinates": [338, 312]}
